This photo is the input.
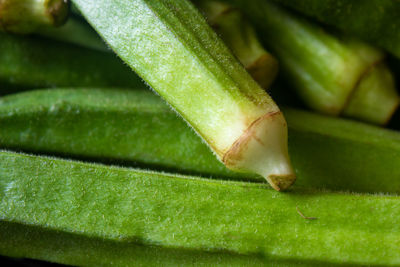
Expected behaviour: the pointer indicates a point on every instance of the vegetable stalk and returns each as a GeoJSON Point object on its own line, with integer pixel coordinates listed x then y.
{"type": "Point", "coordinates": [27, 16]}
{"type": "Point", "coordinates": [171, 46]}
{"type": "Point", "coordinates": [334, 76]}
{"type": "Point", "coordinates": [240, 36]}
{"type": "Point", "coordinates": [135, 128]}
{"type": "Point", "coordinates": [85, 214]}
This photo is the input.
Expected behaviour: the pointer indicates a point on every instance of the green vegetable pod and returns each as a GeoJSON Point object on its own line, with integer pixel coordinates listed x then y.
{"type": "Point", "coordinates": [32, 62]}
{"type": "Point", "coordinates": [135, 128]}
{"type": "Point", "coordinates": [332, 75]}
{"type": "Point", "coordinates": [375, 98]}
{"type": "Point", "coordinates": [240, 36]}
{"type": "Point", "coordinates": [376, 21]}
{"type": "Point", "coordinates": [27, 16]}
{"type": "Point", "coordinates": [232, 27]}
{"type": "Point", "coordinates": [171, 46]}
{"type": "Point", "coordinates": [90, 215]}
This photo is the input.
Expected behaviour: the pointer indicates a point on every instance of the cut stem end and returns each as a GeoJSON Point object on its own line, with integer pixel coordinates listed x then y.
{"type": "Point", "coordinates": [281, 182]}
{"type": "Point", "coordinates": [263, 149]}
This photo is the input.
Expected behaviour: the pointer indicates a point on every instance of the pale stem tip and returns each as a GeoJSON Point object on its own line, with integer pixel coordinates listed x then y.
{"type": "Point", "coordinates": [263, 149]}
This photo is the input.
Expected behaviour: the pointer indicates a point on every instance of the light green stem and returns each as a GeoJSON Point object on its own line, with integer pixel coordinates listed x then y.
{"type": "Point", "coordinates": [171, 46]}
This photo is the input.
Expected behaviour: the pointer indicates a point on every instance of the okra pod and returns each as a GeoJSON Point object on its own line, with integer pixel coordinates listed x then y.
{"type": "Point", "coordinates": [32, 62]}
{"type": "Point", "coordinates": [240, 36]}
{"type": "Point", "coordinates": [133, 127]}
{"type": "Point", "coordinates": [369, 102]}
{"type": "Point", "coordinates": [171, 46]}
{"type": "Point", "coordinates": [27, 16]}
{"type": "Point", "coordinates": [237, 33]}
{"type": "Point", "coordinates": [332, 75]}
{"type": "Point", "coordinates": [376, 21]}
{"type": "Point", "coordinates": [235, 30]}
{"type": "Point", "coordinates": [91, 215]}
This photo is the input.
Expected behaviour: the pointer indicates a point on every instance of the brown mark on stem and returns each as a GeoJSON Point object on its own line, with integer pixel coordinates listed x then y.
{"type": "Point", "coordinates": [236, 157]}
{"type": "Point", "coordinates": [354, 89]}
{"type": "Point", "coordinates": [394, 109]}
{"type": "Point", "coordinates": [264, 70]}
{"type": "Point", "coordinates": [234, 153]}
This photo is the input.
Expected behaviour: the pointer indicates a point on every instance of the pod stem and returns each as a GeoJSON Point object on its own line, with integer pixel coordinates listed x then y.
{"type": "Point", "coordinates": [171, 46]}
{"type": "Point", "coordinates": [27, 16]}
{"type": "Point", "coordinates": [263, 149]}
{"type": "Point", "coordinates": [240, 36]}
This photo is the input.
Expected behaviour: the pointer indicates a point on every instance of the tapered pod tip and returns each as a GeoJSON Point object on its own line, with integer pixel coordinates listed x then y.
{"type": "Point", "coordinates": [263, 149]}
{"type": "Point", "coordinates": [281, 182]}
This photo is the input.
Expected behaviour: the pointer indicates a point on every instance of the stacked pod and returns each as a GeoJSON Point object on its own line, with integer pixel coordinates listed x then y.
{"type": "Point", "coordinates": [332, 75]}
{"type": "Point", "coordinates": [90, 214]}
{"type": "Point", "coordinates": [135, 128]}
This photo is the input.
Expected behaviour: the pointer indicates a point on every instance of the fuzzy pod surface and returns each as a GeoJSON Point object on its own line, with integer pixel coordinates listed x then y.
{"type": "Point", "coordinates": [171, 46]}
{"type": "Point", "coordinates": [86, 214]}
{"type": "Point", "coordinates": [135, 128]}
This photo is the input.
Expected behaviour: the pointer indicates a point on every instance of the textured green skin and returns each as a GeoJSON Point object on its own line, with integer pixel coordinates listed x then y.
{"type": "Point", "coordinates": [36, 62]}
{"type": "Point", "coordinates": [134, 127]}
{"type": "Point", "coordinates": [79, 250]}
{"type": "Point", "coordinates": [171, 46]}
{"type": "Point", "coordinates": [115, 124]}
{"type": "Point", "coordinates": [124, 206]}
{"type": "Point", "coordinates": [377, 21]}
